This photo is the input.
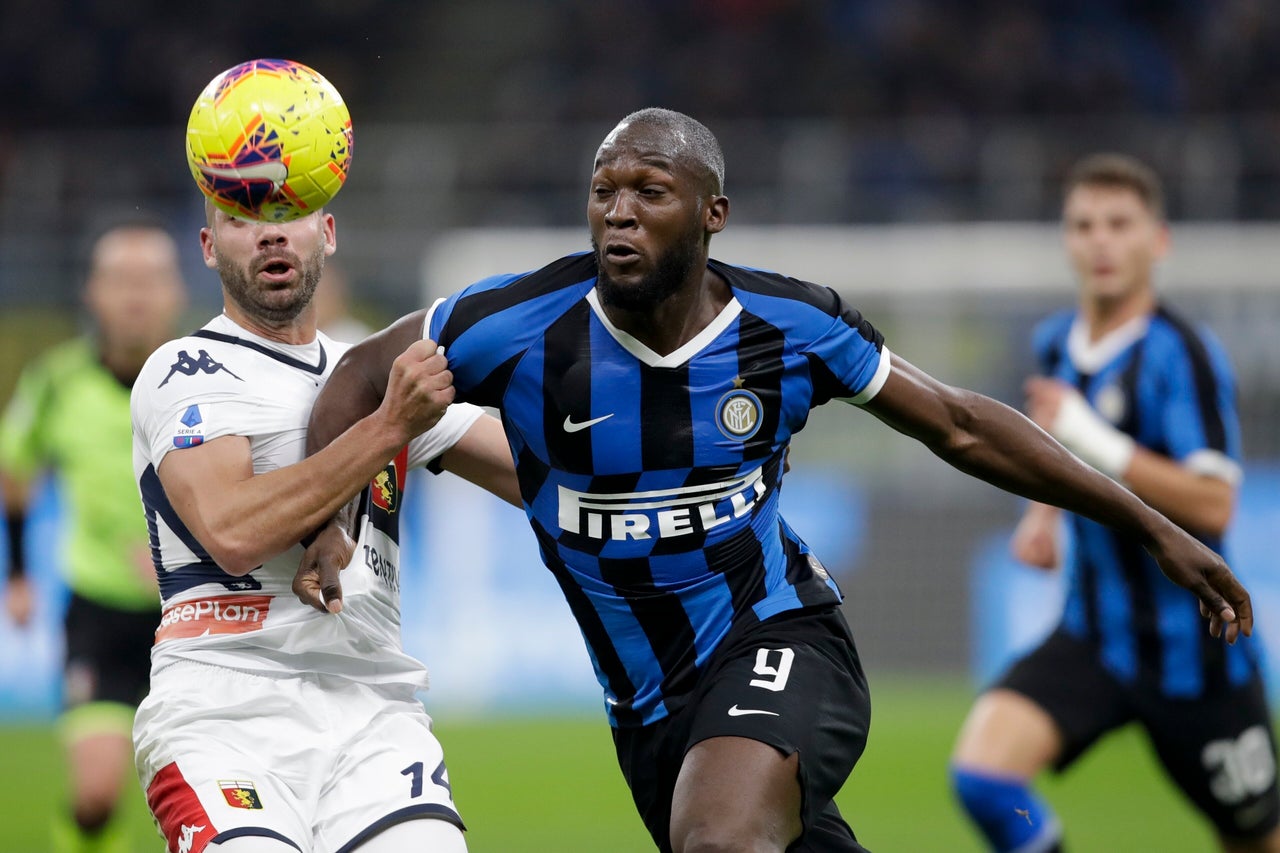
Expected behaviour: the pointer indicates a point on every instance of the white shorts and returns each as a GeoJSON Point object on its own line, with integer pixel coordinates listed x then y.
{"type": "Point", "coordinates": [320, 762]}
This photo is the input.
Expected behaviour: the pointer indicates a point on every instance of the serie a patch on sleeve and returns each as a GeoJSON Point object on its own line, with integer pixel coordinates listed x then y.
{"type": "Point", "coordinates": [189, 430]}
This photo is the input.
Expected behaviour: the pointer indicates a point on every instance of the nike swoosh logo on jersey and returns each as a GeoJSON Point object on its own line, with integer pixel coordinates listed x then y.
{"type": "Point", "coordinates": [735, 711]}
{"type": "Point", "coordinates": [274, 172]}
{"type": "Point", "coordinates": [570, 426]}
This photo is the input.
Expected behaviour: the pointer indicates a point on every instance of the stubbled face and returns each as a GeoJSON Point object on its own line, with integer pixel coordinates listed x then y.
{"type": "Point", "coordinates": [269, 269]}
{"type": "Point", "coordinates": [1113, 241]}
{"type": "Point", "coordinates": [135, 290]}
{"type": "Point", "coordinates": [650, 216]}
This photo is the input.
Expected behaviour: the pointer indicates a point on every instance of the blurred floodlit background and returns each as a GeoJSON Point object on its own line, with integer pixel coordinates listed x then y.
{"type": "Point", "coordinates": [906, 152]}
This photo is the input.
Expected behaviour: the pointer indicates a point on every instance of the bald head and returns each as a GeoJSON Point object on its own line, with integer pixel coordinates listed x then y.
{"type": "Point", "coordinates": [685, 140]}
{"type": "Point", "coordinates": [134, 289]}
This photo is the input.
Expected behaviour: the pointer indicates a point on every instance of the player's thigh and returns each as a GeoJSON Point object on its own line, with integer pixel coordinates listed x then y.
{"type": "Point", "coordinates": [426, 835]}
{"type": "Point", "coordinates": [1033, 716]}
{"type": "Point", "coordinates": [1221, 751]}
{"type": "Point", "coordinates": [392, 772]}
{"type": "Point", "coordinates": [794, 688]}
{"type": "Point", "coordinates": [739, 793]}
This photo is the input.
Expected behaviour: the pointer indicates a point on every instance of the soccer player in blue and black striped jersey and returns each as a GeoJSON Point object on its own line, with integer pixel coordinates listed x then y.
{"type": "Point", "coordinates": [648, 395]}
{"type": "Point", "coordinates": [1147, 398]}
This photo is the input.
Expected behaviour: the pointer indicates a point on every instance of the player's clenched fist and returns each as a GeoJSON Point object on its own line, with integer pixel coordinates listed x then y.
{"type": "Point", "coordinates": [419, 388]}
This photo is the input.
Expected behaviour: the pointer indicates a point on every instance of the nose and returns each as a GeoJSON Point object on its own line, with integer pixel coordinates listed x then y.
{"type": "Point", "coordinates": [271, 234]}
{"type": "Point", "coordinates": [621, 213]}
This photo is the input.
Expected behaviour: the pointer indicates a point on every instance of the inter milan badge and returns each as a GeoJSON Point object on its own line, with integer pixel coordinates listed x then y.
{"type": "Point", "coordinates": [189, 431]}
{"type": "Point", "coordinates": [1110, 403]}
{"type": "Point", "coordinates": [240, 795]}
{"type": "Point", "coordinates": [738, 413]}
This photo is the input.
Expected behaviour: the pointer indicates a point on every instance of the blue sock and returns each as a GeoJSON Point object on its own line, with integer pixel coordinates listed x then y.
{"type": "Point", "coordinates": [1007, 811]}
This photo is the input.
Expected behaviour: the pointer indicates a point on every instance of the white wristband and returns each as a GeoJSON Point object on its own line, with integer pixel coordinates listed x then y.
{"type": "Point", "coordinates": [1082, 431]}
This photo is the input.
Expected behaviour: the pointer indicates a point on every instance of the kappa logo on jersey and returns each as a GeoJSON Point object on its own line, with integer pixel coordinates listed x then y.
{"type": "Point", "coordinates": [738, 413]}
{"type": "Point", "coordinates": [664, 513]}
{"type": "Point", "coordinates": [188, 366]}
{"type": "Point", "coordinates": [188, 837]}
{"type": "Point", "coordinates": [240, 795]}
{"type": "Point", "coordinates": [190, 433]}
{"type": "Point", "coordinates": [228, 614]}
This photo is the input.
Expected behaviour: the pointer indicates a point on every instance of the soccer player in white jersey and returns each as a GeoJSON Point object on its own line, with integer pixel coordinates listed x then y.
{"type": "Point", "coordinates": [271, 727]}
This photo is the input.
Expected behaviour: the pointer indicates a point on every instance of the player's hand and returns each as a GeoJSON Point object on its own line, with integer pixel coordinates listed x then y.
{"type": "Point", "coordinates": [1223, 600]}
{"type": "Point", "coordinates": [19, 600]}
{"type": "Point", "coordinates": [1044, 398]}
{"type": "Point", "coordinates": [1035, 539]}
{"type": "Point", "coordinates": [419, 388]}
{"type": "Point", "coordinates": [317, 580]}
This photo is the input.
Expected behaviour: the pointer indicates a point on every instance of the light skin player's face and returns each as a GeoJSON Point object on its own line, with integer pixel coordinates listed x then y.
{"type": "Point", "coordinates": [649, 216]}
{"type": "Point", "coordinates": [134, 289]}
{"type": "Point", "coordinates": [269, 270]}
{"type": "Point", "coordinates": [1113, 241]}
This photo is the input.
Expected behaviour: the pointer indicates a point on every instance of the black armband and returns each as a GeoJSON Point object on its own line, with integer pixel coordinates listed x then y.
{"type": "Point", "coordinates": [16, 527]}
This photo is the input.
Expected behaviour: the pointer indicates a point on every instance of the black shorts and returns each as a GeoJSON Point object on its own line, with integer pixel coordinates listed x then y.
{"type": "Point", "coordinates": [793, 682]}
{"type": "Point", "coordinates": [1219, 749]}
{"type": "Point", "coordinates": [108, 654]}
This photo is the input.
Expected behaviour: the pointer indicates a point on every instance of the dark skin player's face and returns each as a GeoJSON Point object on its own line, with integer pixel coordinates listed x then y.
{"type": "Point", "coordinates": [650, 215]}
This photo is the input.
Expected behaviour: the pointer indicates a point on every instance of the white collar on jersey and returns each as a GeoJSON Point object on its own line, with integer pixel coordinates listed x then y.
{"type": "Point", "coordinates": [303, 352]}
{"type": "Point", "coordinates": [678, 357]}
{"type": "Point", "coordinates": [1090, 357]}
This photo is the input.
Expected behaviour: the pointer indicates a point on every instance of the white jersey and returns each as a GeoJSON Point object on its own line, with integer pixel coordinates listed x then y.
{"type": "Point", "coordinates": [224, 380]}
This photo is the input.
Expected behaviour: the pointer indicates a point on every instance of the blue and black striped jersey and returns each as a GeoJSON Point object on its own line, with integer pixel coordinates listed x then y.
{"type": "Point", "coordinates": [651, 481]}
{"type": "Point", "coordinates": [1170, 386]}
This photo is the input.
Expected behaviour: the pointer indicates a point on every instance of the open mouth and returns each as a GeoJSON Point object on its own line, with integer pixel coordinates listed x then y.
{"type": "Point", "coordinates": [620, 253]}
{"type": "Point", "coordinates": [278, 270]}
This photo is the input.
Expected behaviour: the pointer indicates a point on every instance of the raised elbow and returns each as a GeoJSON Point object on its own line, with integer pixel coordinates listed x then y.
{"type": "Point", "coordinates": [234, 557]}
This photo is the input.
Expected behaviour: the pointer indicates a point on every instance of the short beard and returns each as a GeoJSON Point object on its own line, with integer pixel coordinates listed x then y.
{"type": "Point", "coordinates": [666, 278]}
{"type": "Point", "coordinates": [253, 300]}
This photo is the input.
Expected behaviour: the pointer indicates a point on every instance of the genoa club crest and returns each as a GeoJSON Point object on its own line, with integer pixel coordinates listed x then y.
{"type": "Point", "coordinates": [240, 795]}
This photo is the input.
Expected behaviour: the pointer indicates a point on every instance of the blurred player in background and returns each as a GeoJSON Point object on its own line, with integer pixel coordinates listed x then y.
{"type": "Point", "coordinates": [269, 726]}
{"type": "Point", "coordinates": [70, 417]}
{"type": "Point", "coordinates": [1147, 398]}
{"type": "Point", "coordinates": [649, 395]}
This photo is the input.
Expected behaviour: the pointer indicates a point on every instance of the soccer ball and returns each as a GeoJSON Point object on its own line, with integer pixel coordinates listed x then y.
{"type": "Point", "coordinates": [269, 139]}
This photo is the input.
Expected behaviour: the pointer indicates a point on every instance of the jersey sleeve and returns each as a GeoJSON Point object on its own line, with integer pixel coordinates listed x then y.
{"type": "Point", "coordinates": [1199, 422]}
{"type": "Point", "coordinates": [172, 411]}
{"type": "Point", "coordinates": [848, 358]}
{"type": "Point", "coordinates": [433, 443]}
{"type": "Point", "coordinates": [487, 327]}
{"type": "Point", "coordinates": [22, 451]}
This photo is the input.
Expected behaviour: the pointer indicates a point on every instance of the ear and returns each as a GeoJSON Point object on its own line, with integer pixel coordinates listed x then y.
{"type": "Point", "coordinates": [330, 234]}
{"type": "Point", "coordinates": [1164, 239]}
{"type": "Point", "coordinates": [207, 248]}
{"type": "Point", "coordinates": [716, 214]}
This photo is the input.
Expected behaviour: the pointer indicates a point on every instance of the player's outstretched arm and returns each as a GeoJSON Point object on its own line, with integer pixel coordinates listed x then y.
{"type": "Point", "coordinates": [244, 519]}
{"type": "Point", "coordinates": [995, 443]}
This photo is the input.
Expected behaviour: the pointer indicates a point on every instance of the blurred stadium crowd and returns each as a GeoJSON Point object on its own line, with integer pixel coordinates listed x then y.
{"type": "Point", "coordinates": [485, 113]}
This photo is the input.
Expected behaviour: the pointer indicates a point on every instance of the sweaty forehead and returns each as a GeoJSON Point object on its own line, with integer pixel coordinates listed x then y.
{"type": "Point", "coordinates": [664, 148]}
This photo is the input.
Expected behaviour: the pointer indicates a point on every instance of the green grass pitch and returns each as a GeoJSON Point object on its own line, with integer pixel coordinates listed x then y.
{"type": "Point", "coordinates": [537, 785]}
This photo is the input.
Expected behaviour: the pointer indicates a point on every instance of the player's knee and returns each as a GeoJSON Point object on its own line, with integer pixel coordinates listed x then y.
{"type": "Point", "coordinates": [1007, 812]}
{"type": "Point", "coordinates": [92, 814]}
